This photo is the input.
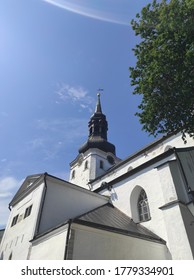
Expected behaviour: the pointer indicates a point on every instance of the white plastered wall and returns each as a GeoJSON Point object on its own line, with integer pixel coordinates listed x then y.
{"type": "Point", "coordinates": [16, 238]}
{"type": "Point", "coordinates": [95, 244]}
{"type": "Point", "coordinates": [148, 153]}
{"type": "Point", "coordinates": [160, 189]}
{"type": "Point", "coordinates": [51, 246]}
{"type": "Point", "coordinates": [93, 157]}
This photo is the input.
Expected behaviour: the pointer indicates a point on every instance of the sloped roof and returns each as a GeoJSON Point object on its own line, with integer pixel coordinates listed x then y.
{"type": "Point", "coordinates": [110, 218]}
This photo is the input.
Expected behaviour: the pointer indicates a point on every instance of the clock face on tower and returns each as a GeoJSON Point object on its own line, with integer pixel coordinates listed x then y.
{"type": "Point", "coordinates": [110, 159]}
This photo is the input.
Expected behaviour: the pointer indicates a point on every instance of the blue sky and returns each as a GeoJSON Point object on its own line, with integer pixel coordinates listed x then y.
{"type": "Point", "coordinates": [54, 55]}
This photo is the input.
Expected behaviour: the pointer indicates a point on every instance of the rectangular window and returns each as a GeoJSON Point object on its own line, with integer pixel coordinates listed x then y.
{"type": "Point", "coordinates": [28, 211]}
{"type": "Point", "coordinates": [14, 221]}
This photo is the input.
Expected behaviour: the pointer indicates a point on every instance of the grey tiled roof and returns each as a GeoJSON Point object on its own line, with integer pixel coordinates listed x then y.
{"type": "Point", "coordinates": [110, 218]}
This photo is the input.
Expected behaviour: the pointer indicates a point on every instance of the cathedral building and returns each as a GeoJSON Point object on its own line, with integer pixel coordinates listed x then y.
{"type": "Point", "coordinates": [141, 207]}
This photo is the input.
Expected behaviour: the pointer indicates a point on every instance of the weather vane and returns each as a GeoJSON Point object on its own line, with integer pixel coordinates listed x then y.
{"type": "Point", "coordinates": [99, 91]}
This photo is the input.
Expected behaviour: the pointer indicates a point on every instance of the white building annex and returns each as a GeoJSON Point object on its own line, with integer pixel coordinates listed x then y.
{"type": "Point", "coordinates": [141, 207]}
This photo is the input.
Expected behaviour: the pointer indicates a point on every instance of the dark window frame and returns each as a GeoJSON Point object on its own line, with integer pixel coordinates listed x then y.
{"type": "Point", "coordinates": [101, 164]}
{"type": "Point", "coordinates": [28, 211]}
{"type": "Point", "coordinates": [73, 174]}
{"type": "Point", "coordinates": [14, 220]}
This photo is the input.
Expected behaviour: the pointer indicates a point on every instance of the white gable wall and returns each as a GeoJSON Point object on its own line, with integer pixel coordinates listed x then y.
{"type": "Point", "coordinates": [16, 238]}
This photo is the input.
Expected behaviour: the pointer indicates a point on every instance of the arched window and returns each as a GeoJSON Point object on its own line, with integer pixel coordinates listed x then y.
{"type": "Point", "coordinates": [86, 165]}
{"type": "Point", "coordinates": [143, 207]}
{"type": "Point", "coordinates": [73, 174]}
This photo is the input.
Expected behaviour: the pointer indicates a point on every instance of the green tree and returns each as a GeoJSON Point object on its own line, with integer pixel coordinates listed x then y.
{"type": "Point", "coordinates": [164, 70]}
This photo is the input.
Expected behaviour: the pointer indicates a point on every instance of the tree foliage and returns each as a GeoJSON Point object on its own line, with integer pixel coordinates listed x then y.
{"type": "Point", "coordinates": [164, 70]}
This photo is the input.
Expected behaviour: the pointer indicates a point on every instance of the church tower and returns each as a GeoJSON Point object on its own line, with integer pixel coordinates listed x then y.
{"type": "Point", "coordinates": [96, 155]}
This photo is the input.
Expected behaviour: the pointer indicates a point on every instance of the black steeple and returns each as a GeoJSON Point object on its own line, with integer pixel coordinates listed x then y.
{"type": "Point", "coordinates": [98, 127]}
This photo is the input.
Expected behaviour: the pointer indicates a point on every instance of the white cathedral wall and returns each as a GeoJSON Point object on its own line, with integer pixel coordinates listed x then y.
{"type": "Point", "coordinates": [124, 195]}
{"type": "Point", "coordinates": [174, 221]}
{"type": "Point", "coordinates": [160, 189]}
{"type": "Point", "coordinates": [16, 238]}
{"type": "Point", "coordinates": [95, 244]}
{"type": "Point", "coordinates": [64, 201]}
{"type": "Point", "coordinates": [51, 246]}
{"type": "Point", "coordinates": [178, 241]}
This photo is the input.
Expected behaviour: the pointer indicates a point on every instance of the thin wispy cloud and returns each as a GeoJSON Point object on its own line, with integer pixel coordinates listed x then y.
{"type": "Point", "coordinates": [100, 10]}
{"type": "Point", "coordinates": [8, 187]}
{"type": "Point", "coordinates": [67, 92]}
{"type": "Point", "coordinates": [75, 94]}
{"type": "Point", "coordinates": [54, 136]}
{"type": "Point", "coordinates": [68, 129]}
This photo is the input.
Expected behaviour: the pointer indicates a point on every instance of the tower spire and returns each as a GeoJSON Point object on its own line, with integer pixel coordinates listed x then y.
{"type": "Point", "coordinates": [98, 104]}
{"type": "Point", "coordinates": [98, 128]}
{"type": "Point", "coordinates": [96, 155]}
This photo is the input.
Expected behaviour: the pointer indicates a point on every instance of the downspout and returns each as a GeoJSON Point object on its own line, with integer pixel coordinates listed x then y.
{"type": "Point", "coordinates": [67, 240]}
